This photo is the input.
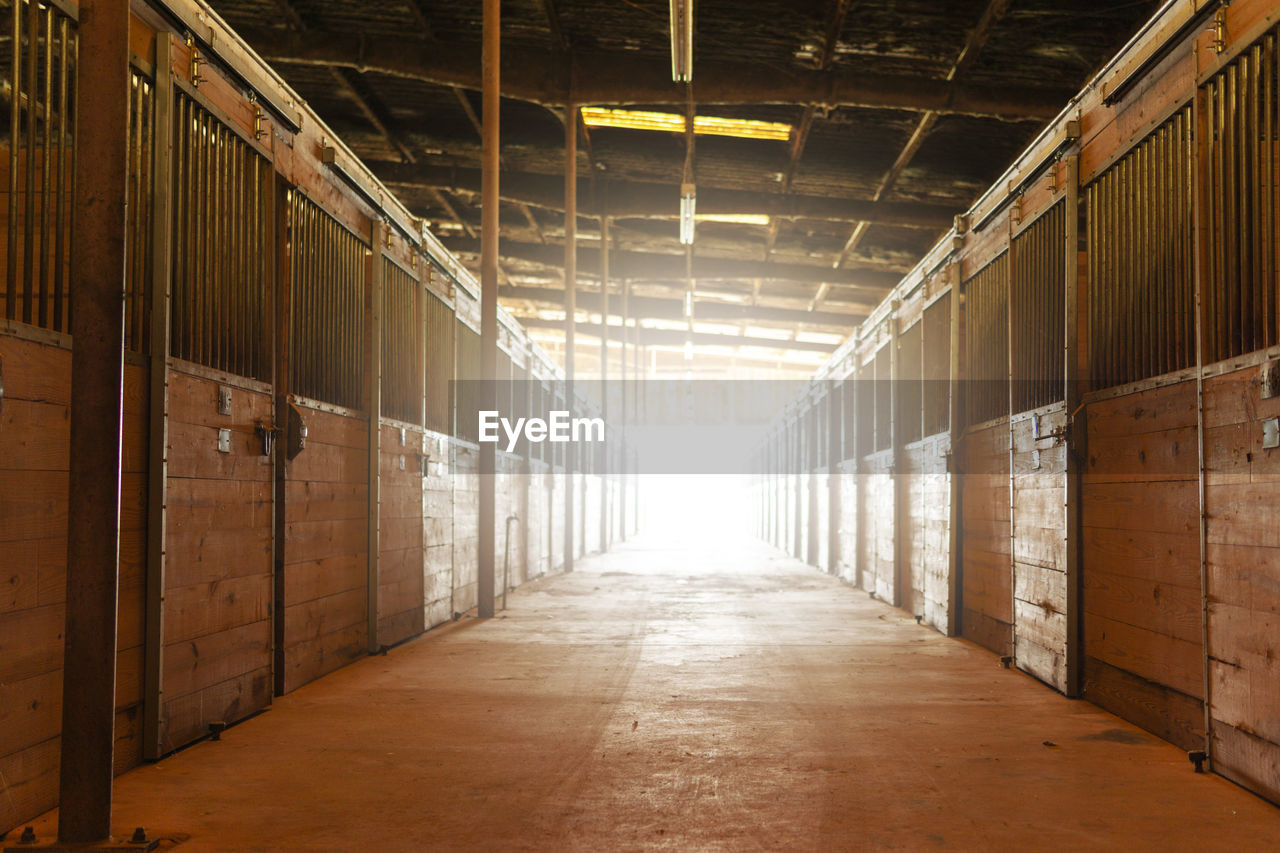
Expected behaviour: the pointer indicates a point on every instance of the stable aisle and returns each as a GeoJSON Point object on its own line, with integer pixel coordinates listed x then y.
{"type": "Point", "coordinates": [666, 696]}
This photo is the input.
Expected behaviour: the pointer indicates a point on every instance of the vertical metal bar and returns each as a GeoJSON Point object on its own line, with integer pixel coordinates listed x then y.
{"type": "Point", "coordinates": [97, 391]}
{"type": "Point", "coordinates": [158, 410]}
{"type": "Point", "coordinates": [604, 378]}
{"type": "Point", "coordinates": [60, 193]}
{"type": "Point", "coordinates": [490, 161]}
{"type": "Point", "coordinates": [15, 123]}
{"type": "Point", "coordinates": [45, 182]}
{"type": "Point", "coordinates": [29, 162]}
{"type": "Point", "coordinates": [570, 304]}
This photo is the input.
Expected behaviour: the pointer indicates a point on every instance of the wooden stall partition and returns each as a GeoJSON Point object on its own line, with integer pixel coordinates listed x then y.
{"type": "Point", "coordinates": [1238, 128]}
{"type": "Point", "coordinates": [437, 479]}
{"type": "Point", "coordinates": [400, 578]}
{"type": "Point", "coordinates": [34, 437]}
{"type": "Point", "coordinates": [847, 510]}
{"type": "Point", "coordinates": [1141, 561]}
{"type": "Point", "coordinates": [986, 569]}
{"type": "Point", "coordinates": [1039, 427]}
{"type": "Point", "coordinates": [1242, 476]}
{"type": "Point", "coordinates": [437, 530]}
{"type": "Point", "coordinates": [324, 552]}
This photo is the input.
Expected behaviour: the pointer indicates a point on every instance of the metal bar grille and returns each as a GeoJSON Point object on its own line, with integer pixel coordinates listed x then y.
{"type": "Point", "coordinates": [865, 433]}
{"type": "Point", "coordinates": [401, 344]}
{"type": "Point", "coordinates": [1037, 298]}
{"type": "Point", "coordinates": [438, 327]}
{"type": "Point", "coordinates": [38, 62]}
{"type": "Point", "coordinates": [327, 284]}
{"type": "Point", "coordinates": [883, 399]}
{"type": "Point", "coordinates": [1240, 211]}
{"type": "Point", "coordinates": [910, 374]}
{"type": "Point", "coordinates": [1140, 249]}
{"type": "Point", "coordinates": [936, 371]}
{"type": "Point", "coordinates": [468, 384]}
{"type": "Point", "coordinates": [986, 304]}
{"type": "Point", "coordinates": [137, 309]}
{"type": "Point", "coordinates": [222, 266]}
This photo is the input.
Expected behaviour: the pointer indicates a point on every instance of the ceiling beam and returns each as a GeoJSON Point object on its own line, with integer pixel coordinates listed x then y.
{"type": "Point", "coordinates": [658, 308]}
{"type": "Point", "coordinates": [616, 78]}
{"type": "Point", "coordinates": [870, 284]}
{"type": "Point", "coordinates": [653, 200]}
{"type": "Point", "coordinates": [677, 337]}
{"type": "Point", "coordinates": [976, 40]}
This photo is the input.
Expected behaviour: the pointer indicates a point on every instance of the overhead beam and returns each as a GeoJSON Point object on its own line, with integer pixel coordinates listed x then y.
{"type": "Point", "coordinates": [616, 78]}
{"type": "Point", "coordinates": [654, 200]}
{"type": "Point", "coordinates": [659, 308]}
{"type": "Point", "coordinates": [677, 337]}
{"type": "Point", "coordinates": [871, 284]}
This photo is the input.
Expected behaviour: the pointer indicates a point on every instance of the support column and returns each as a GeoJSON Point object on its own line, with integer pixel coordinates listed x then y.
{"type": "Point", "coordinates": [377, 234]}
{"type": "Point", "coordinates": [97, 388]}
{"type": "Point", "coordinates": [622, 415]}
{"type": "Point", "coordinates": [489, 300]}
{"type": "Point", "coordinates": [604, 375]}
{"type": "Point", "coordinates": [570, 310]}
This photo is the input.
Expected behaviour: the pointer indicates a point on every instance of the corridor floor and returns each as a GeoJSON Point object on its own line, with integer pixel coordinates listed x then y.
{"type": "Point", "coordinates": [668, 698]}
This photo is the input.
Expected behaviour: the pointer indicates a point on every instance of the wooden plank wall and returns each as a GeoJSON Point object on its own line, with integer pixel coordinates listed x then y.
{"type": "Point", "coordinates": [326, 547]}
{"type": "Point", "coordinates": [437, 531]}
{"type": "Point", "coordinates": [849, 508]}
{"type": "Point", "coordinates": [34, 461]}
{"type": "Point", "coordinates": [536, 522]}
{"type": "Point", "coordinates": [879, 566]}
{"type": "Point", "coordinates": [400, 535]}
{"type": "Point", "coordinates": [218, 560]}
{"type": "Point", "coordinates": [1243, 582]}
{"type": "Point", "coordinates": [1040, 548]}
{"type": "Point", "coordinates": [591, 512]}
{"type": "Point", "coordinates": [986, 595]}
{"type": "Point", "coordinates": [820, 500]}
{"type": "Point", "coordinates": [1143, 652]}
{"type": "Point", "coordinates": [555, 501]}
{"type": "Point", "coordinates": [466, 525]}
{"type": "Point", "coordinates": [927, 543]}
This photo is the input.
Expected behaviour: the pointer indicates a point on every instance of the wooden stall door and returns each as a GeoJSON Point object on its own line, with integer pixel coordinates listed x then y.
{"type": "Point", "coordinates": [1040, 546]}
{"type": "Point", "coordinates": [986, 595]}
{"type": "Point", "coordinates": [1143, 652]}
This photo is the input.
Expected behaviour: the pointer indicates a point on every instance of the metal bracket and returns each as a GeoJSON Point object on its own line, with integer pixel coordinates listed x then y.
{"type": "Point", "coordinates": [224, 441]}
{"type": "Point", "coordinates": [224, 400]}
{"type": "Point", "coordinates": [1219, 30]}
{"type": "Point", "coordinates": [267, 434]}
{"type": "Point", "coordinates": [1271, 433]}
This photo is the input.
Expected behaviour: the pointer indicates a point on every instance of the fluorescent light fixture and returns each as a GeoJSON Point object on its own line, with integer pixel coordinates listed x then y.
{"type": "Point", "coordinates": [688, 305]}
{"type": "Point", "coordinates": [740, 128]}
{"type": "Point", "coordinates": [688, 201]}
{"type": "Point", "coordinates": [688, 350]}
{"type": "Point", "coordinates": [734, 218]}
{"type": "Point", "coordinates": [682, 40]}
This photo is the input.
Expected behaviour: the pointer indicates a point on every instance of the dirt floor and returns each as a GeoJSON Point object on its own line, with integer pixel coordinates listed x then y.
{"type": "Point", "coordinates": [719, 698]}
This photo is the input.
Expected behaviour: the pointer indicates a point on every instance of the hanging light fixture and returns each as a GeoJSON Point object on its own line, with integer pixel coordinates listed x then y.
{"type": "Point", "coordinates": [688, 200]}
{"type": "Point", "coordinates": [682, 40]}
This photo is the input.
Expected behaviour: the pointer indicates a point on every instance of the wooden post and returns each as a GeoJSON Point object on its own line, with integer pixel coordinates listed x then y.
{"type": "Point", "coordinates": [622, 415]}
{"type": "Point", "coordinates": [954, 474]}
{"type": "Point", "coordinates": [604, 380]}
{"type": "Point", "coordinates": [895, 459]}
{"type": "Point", "coordinates": [489, 301]}
{"type": "Point", "coordinates": [1076, 434]}
{"type": "Point", "coordinates": [377, 233]}
{"type": "Point", "coordinates": [570, 308]}
{"type": "Point", "coordinates": [98, 263]}
{"type": "Point", "coordinates": [158, 418]}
